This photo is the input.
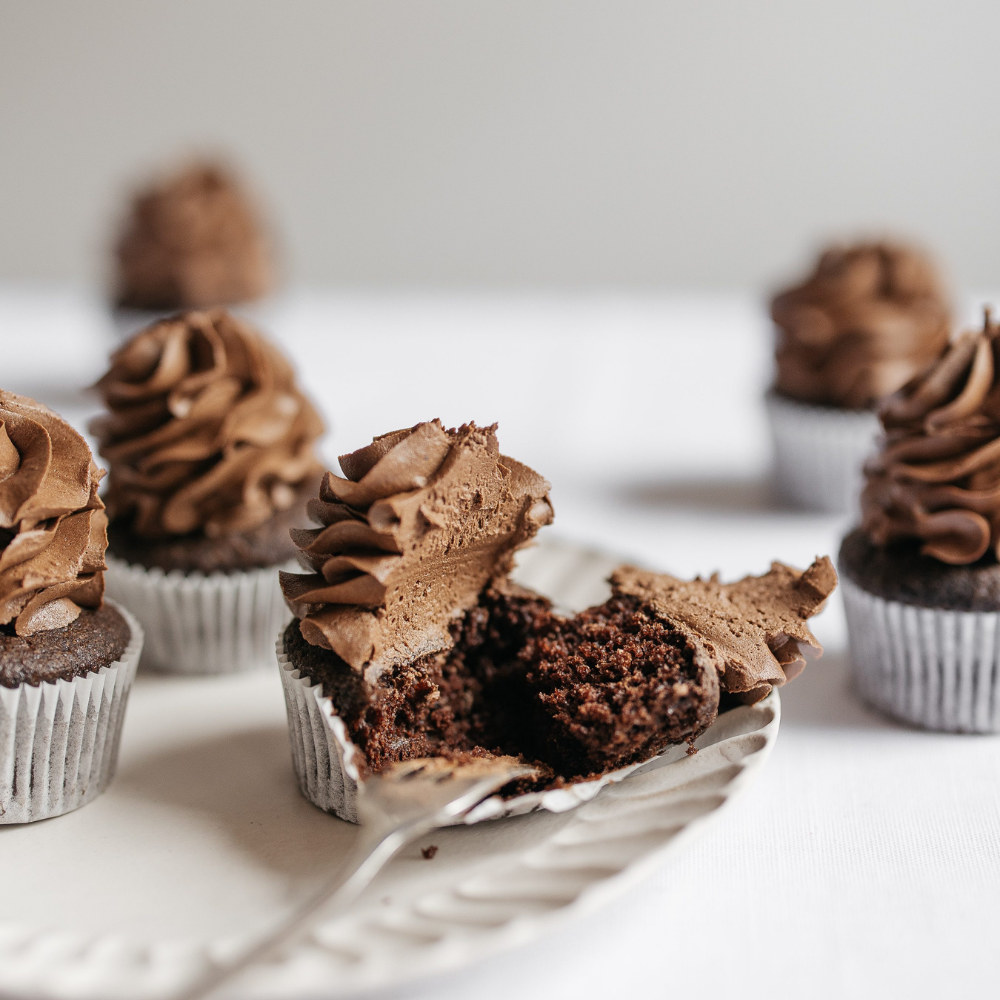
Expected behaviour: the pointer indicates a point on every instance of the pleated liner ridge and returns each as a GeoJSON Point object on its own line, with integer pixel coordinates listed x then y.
{"type": "Point", "coordinates": [219, 623]}
{"type": "Point", "coordinates": [819, 453]}
{"type": "Point", "coordinates": [932, 667]}
{"type": "Point", "coordinates": [322, 751]}
{"type": "Point", "coordinates": [59, 740]}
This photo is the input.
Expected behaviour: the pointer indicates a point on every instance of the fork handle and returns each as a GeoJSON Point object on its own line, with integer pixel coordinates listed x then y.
{"type": "Point", "coordinates": [376, 847]}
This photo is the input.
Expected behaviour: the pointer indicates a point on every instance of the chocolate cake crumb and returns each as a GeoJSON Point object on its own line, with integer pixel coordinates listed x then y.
{"type": "Point", "coordinates": [428, 852]}
{"type": "Point", "coordinates": [618, 685]}
{"type": "Point", "coordinates": [96, 639]}
{"type": "Point", "coordinates": [575, 697]}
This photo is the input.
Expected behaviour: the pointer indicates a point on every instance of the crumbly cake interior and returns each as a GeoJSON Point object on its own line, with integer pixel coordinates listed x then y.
{"type": "Point", "coordinates": [576, 696]}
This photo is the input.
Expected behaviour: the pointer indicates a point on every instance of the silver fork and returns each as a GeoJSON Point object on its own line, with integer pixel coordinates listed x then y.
{"type": "Point", "coordinates": [403, 802]}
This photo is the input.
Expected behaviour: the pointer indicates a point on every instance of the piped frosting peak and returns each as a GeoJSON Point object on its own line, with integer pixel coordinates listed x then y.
{"type": "Point", "coordinates": [53, 529]}
{"type": "Point", "coordinates": [937, 477]}
{"type": "Point", "coordinates": [206, 430]}
{"type": "Point", "coordinates": [424, 519]}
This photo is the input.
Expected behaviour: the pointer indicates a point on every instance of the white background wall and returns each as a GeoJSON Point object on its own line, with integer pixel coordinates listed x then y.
{"type": "Point", "coordinates": [555, 143]}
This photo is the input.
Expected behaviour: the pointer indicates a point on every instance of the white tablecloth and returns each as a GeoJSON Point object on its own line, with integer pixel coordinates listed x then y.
{"type": "Point", "coordinates": [865, 862]}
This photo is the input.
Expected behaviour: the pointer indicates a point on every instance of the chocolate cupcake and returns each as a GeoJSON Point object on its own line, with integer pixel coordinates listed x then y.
{"type": "Point", "coordinates": [410, 640]}
{"type": "Point", "coordinates": [190, 241]}
{"type": "Point", "coordinates": [921, 574]}
{"type": "Point", "coordinates": [67, 658]}
{"type": "Point", "coordinates": [210, 444]}
{"type": "Point", "coordinates": [868, 319]}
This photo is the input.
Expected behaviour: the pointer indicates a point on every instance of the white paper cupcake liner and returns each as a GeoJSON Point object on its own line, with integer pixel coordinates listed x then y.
{"type": "Point", "coordinates": [59, 740]}
{"type": "Point", "coordinates": [323, 755]}
{"type": "Point", "coordinates": [819, 452]}
{"type": "Point", "coordinates": [932, 667]}
{"type": "Point", "coordinates": [328, 765]}
{"type": "Point", "coordinates": [197, 623]}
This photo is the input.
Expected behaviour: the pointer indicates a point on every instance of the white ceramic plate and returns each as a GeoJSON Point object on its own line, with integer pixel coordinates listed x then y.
{"type": "Point", "coordinates": [203, 841]}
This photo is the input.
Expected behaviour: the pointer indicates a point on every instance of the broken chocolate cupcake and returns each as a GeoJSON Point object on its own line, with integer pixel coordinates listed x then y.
{"type": "Point", "coordinates": [410, 640]}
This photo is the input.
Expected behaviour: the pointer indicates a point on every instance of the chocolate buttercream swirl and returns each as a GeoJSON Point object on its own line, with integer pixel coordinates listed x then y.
{"type": "Point", "coordinates": [192, 241]}
{"type": "Point", "coordinates": [206, 431]}
{"type": "Point", "coordinates": [867, 320]}
{"type": "Point", "coordinates": [53, 529]}
{"type": "Point", "coordinates": [425, 519]}
{"type": "Point", "coordinates": [937, 476]}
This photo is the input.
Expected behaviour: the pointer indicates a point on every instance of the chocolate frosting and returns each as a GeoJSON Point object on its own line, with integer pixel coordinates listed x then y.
{"type": "Point", "coordinates": [425, 519]}
{"type": "Point", "coordinates": [192, 241]}
{"type": "Point", "coordinates": [867, 320]}
{"type": "Point", "coordinates": [207, 430]}
{"type": "Point", "coordinates": [53, 529]}
{"type": "Point", "coordinates": [937, 476]}
{"type": "Point", "coordinates": [755, 629]}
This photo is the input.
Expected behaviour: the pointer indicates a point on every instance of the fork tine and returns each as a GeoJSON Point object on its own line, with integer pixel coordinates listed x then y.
{"type": "Point", "coordinates": [434, 790]}
{"type": "Point", "coordinates": [440, 768]}
{"type": "Point", "coordinates": [488, 783]}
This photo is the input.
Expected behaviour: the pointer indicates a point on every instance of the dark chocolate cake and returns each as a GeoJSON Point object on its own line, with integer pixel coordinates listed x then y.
{"type": "Point", "coordinates": [901, 572]}
{"type": "Point", "coordinates": [576, 696]}
{"type": "Point", "coordinates": [96, 639]}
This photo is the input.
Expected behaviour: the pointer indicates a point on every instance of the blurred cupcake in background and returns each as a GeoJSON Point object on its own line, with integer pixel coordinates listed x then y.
{"type": "Point", "coordinates": [210, 444]}
{"type": "Point", "coordinates": [921, 576]}
{"type": "Point", "coordinates": [190, 241]}
{"type": "Point", "coordinates": [868, 319]}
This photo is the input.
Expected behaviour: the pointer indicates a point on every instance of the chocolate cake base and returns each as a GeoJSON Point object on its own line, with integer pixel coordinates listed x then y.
{"type": "Point", "coordinates": [576, 697]}
{"type": "Point", "coordinates": [899, 572]}
{"type": "Point", "coordinates": [266, 545]}
{"type": "Point", "coordinates": [96, 639]}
